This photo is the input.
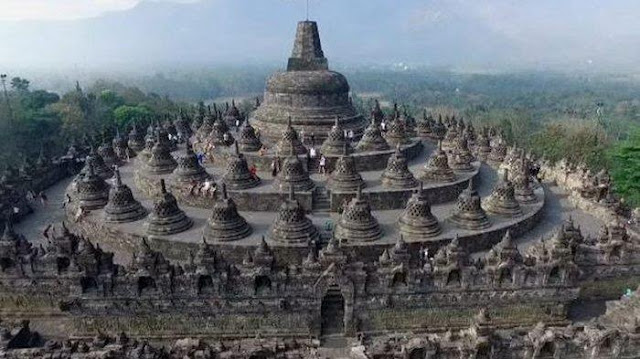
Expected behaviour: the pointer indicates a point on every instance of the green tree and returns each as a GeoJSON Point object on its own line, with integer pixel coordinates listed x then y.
{"type": "Point", "coordinates": [625, 168]}
{"type": "Point", "coordinates": [126, 115]}
{"type": "Point", "coordinates": [20, 84]}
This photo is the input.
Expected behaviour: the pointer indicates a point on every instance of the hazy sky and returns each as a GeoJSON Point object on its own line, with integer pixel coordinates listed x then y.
{"type": "Point", "coordinates": [458, 33]}
{"type": "Point", "coordinates": [64, 9]}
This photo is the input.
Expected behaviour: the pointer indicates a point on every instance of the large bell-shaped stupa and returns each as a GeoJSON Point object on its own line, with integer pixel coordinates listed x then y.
{"type": "Point", "coordinates": [308, 91]}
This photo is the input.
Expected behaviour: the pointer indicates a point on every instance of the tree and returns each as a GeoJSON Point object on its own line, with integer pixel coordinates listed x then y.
{"type": "Point", "coordinates": [20, 84]}
{"type": "Point", "coordinates": [625, 168]}
{"type": "Point", "coordinates": [126, 115]}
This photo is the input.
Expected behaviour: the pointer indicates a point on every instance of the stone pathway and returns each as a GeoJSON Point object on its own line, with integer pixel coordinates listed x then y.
{"type": "Point", "coordinates": [34, 224]}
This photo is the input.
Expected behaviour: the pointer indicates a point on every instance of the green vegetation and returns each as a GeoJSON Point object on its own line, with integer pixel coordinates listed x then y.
{"type": "Point", "coordinates": [35, 120]}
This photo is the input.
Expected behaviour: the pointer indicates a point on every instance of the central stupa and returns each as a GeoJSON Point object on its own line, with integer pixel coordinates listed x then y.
{"type": "Point", "coordinates": [308, 91]}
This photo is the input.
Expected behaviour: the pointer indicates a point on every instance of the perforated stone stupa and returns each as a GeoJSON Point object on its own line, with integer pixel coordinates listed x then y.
{"type": "Point", "coordinates": [225, 223]}
{"type": "Point", "coordinates": [291, 225]}
{"type": "Point", "coordinates": [417, 222]}
{"type": "Point", "coordinates": [345, 176]}
{"type": "Point", "coordinates": [237, 175]}
{"type": "Point", "coordinates": [293, 174]}
{"type": "Point", "coordinates": [189, 168]}
{"type": "Point", "coordinates": [161, 161]}
{"type": "Point", "coordinates": [136, 139]}
{"type": "Point", "coordinates": [248, 140]}
{"type": "Point", "coordinates": [336, 143]}
{"type": "Point", "coordinates": [437, 169]}
{"type": "Point", "coordinates": [289, 143]}
{"type": "Point", "coordinates": [397, 174]}
{"type": "Point", "coordinates": [308, 92]}
{"type": "Point", "coordinates": [122, 207]}
{"type": "Point", "coordinates": [92, 190]}
{"type": "Point", "coordinates": [357, 224]}
{"type": "Point", "coordinates": [167, 218]}
{"type": "Point", "coordinates": [372, 140]}
{"type": "Point", "coordinates": [502, 200]}
{"type": "Point", "coordinates": [468, 213]}
{"type": "Point", "coordinates": [99, 167]}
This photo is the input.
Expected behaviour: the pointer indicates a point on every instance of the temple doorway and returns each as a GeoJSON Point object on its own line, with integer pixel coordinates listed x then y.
{"type": "Point", "coordinates": [332, 313]}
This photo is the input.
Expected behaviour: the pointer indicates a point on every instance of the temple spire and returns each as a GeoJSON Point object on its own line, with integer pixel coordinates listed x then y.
{"type": "Point", "coordinates": [307, 54]}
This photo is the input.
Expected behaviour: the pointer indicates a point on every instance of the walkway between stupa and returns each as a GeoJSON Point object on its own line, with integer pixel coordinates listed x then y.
{"type": "Point", "coordinates": [557, 209]}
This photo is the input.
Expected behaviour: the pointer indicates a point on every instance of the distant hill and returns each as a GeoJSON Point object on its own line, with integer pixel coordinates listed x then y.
{"type": "Point", "coordinates": [216, 31]}
{"type": "Point", "coordinates": [463, 34]}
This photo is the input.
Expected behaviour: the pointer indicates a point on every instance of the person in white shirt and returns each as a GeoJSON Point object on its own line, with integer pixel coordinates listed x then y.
{"type": "Point", "coordinates": [323, 165]}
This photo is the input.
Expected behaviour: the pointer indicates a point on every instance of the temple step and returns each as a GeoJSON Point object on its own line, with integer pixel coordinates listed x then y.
{"type": "Point", "coordinates": [321, 200]}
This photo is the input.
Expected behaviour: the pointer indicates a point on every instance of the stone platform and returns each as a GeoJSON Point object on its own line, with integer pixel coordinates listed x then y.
{"type": "Point", "coordinates": [259, 205]}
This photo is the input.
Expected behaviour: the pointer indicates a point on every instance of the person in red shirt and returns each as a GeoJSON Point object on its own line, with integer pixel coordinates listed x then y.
{"type": "Point", "coordinates": [253, 170]}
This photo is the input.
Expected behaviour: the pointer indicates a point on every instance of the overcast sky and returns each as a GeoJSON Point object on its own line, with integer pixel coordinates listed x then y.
{"type": "Point", "coordinates": [63, 9]}
{"type": "Point", "coordinates": [599, 33]}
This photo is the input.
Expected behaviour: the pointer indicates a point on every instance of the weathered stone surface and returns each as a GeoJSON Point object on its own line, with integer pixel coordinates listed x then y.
{"type": "Point", "coordinates": [248, 141]}
{"type": "Point", "coordinates": [237, 175]}
{"type": "Point", "coordinates": [437, 169]}
{"type": "Point", "coordinates": [357, 224]}
{"type": "Point", "coordinates": [167, 218]}
{"type": "Point", "coordinates": [336, 142]}
{"type": "Point", "coordinates": [417, 222]}
{"type": "Point", "coordinates": [122, 207]}
{"type": "Point", "coordinates": [293, 174]}
{"type": "Point", "coordinates": [92, 190]}
{"type": "Point", "coordinates": [161, 161]}
{"type": "Point", "coordinates": [397, 132]}
{"type": "Point", "coordinates": [502, 200]}
{"type": "Point", "coordinates": [372, 140]}
{"type": "Point", "coordinates": [468, 213]}
{"type": "Point", "coordinates": [189, 168]}
{"type": "Point", "coordinates": [99, 167]}
{"type": "Point", "coordinates": [291, 225]}
{"type": "Point", "coordinates": [308, 92]}
{"type": "Point", "coordinates": [397, 173]}
{"type": "Point", "coordinates": [438, 130]}
{"type": "Point", "coordinates": [498, 151]}
{"type": "Point", "coordinates": [225, 223]}
{"type": "Point", "coordinates": [345, 176]}
{"type": "Point", "coordinates": [290, 144]}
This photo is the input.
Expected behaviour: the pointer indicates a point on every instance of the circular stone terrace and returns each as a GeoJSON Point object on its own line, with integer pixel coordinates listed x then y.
{"type": "Point", "coordinates": [323, 206]}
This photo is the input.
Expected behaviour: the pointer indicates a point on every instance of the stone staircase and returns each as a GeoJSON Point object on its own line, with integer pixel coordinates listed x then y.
{"type": "Point", "coordinates": [335, 347]}
{"type": "Point", "coordinates": [321, 201]}
{"type": "Point", "coordinates": [313, 166]}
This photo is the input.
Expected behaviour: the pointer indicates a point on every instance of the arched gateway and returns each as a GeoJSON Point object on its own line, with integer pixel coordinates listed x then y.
{"type": "Point", "coordinates": [332, 312]}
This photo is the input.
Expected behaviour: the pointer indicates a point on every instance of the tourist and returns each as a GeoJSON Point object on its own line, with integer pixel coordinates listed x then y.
{"type": "Point", "coordinates": [274, 167]}
{"type": "Point", "coordinates": [308, 155]}
{"type": "Point", "coordinates": [350, 135]}
{"type": "Point", "coordinates": [313, 139]}
{"type": "Point", "coordinates": [253, 171]}
{"type": "Point", "coordinates": [313, 153]}
{"type": "Point", "coordinates": [323, 164]}
{"type": "Point", "coordinates": [200, 156]}
{"type": "Point", "coordinates": [66, 201]}
{"type": "Point", "coordinates": [79, 214]}
{"type": "Point", "coordinates": [257, 130]}
{"type": "Point", "coordinates": [43, 198]}
{"type": "Point", "coordinates": [262, 151]}
{"type": "Point", "coordinates": [302, 135]}
{"type": "Point", "coordinates": [383, 126]}
{"type": "Point", "coordinates": [237, 124]}
{"type": "Point", "coordinates": [225, 138]}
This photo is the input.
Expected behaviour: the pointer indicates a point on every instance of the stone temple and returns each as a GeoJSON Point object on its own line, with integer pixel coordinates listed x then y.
{"type": "Point", "coordinates": [422, 242]}
{"type": "Point", "coordinates": [308, 91]}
